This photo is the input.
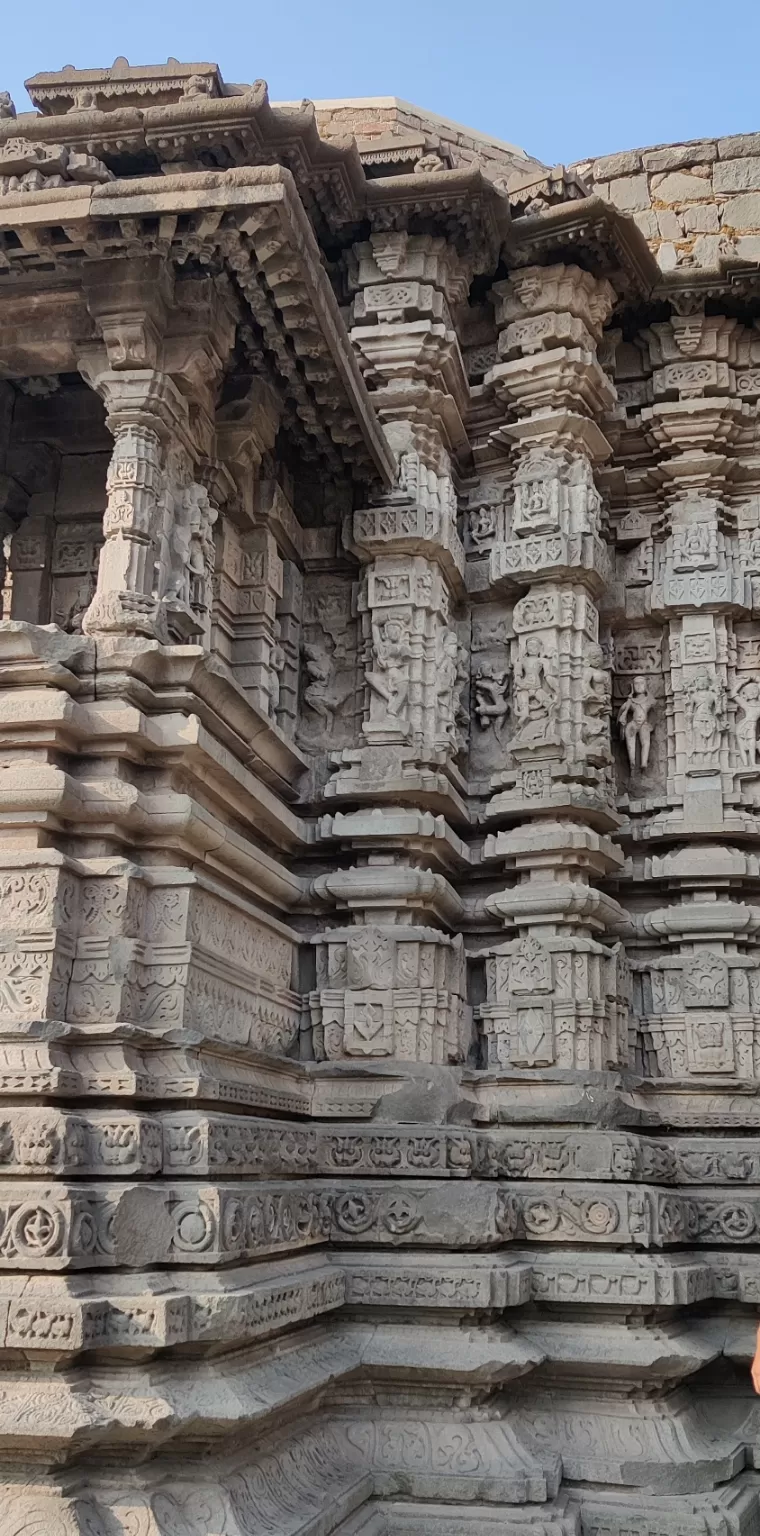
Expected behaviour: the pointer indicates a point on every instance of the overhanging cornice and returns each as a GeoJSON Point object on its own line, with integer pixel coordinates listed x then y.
{"type": "Point", "coordinates": [604, 239]}
{"type": "Point", "coordinates": [252, 219]}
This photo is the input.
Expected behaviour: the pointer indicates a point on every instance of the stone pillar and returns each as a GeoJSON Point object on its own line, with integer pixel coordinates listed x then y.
{"type": "Point", "coordinates": [695, 965]}
{"type": "Point", "coordinates": [250, 583]}
{"type": "Point", "coordinates": [554, 993]}
{"type": "Point", "coordinates": [287, 651]}
{"type": "Point", "coordinates": [409, 543]}
{"type": "Point", "coordinates": [251, 566]}
{"type": "Point", "coordinates": [156, 564]}
{"type": "Point", "coordinates": [394, 983]}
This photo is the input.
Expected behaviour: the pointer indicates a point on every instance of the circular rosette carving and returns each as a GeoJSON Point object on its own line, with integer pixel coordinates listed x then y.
{"type": "Point", "coordinates": [354, 1212]}
{"type": "Point", "coordinates": [36, 1231]}
{"type": "Point", "coordinates": [401, 1215]}
{"type": "Point", "coordinates": [194, 1227]}
{"type": "Point", "coordinates": [737, 1222]}
{"type": "Point", "coordinates": [600, 1217]}
{"type": "Point", "coordinates": [541, 1217]}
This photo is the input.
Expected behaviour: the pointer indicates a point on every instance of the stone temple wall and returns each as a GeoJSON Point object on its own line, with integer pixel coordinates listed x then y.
{"type": "Point", "coordinates": [379, 823]}
{"type": "Point", "coordinates": [695, 203]}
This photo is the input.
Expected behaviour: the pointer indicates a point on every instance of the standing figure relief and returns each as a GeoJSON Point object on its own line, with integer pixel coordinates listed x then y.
{"type": "Point", "coordinates": [536, 693]}
{"type": "Point", "coordinates": [634, 722]}
{"type": "Point", "coordinates": [388, 679]}
{"type": "Point", "coordinates": [747, 696]}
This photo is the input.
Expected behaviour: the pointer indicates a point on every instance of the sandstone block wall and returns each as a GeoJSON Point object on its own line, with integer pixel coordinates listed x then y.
{"type": "Point", "coordinates": [696, 203]}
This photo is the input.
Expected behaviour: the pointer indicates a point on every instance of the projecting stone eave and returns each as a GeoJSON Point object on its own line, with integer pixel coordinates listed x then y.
{"type": "Point", "coordinates": [422, 117]}
{"type": "Point", "coordinates": [55, 91]}
{"type": "Point", "coordinates": [594, 234]}
{"type": "Point", "coordinates": [247, 204]}
{"type": "Point", "coordinates": [464, 202]}
{"type": "Point", "coordinates": [236, 129]}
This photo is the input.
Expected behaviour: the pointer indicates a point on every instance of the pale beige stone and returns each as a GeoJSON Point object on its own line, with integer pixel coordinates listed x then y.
{"type": "Point", "coordinates": [742, 212]}
{"type": "Point", "coordinates": [680, 187]}
{"type": "Point", "coordinates": [630, 192]}
{"type": "Point", "coordinates": [669, 225]}
{"type": "Point", "coordinates": [648, 224]}
{"type": "Point", "coordinates": [738, 175]}
{"type": "Point", "coordinates": [702, 219]}
{"type": "Point", "coordinates": [706, 250]}
{"type": "Point", "coordinates": [674, 156]}
{"type": "Point", "coordinates": [747, 247]}
{"type": "Point", "coordinates": [667, 256]}
{"type": "Point", "coordinates": [739, 144]}
{"type": "Point", "coordinates": [612, 166]}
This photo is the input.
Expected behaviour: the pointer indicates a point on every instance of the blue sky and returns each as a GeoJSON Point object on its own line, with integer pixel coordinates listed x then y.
{"type": "Point", "coordinates": [564, 78]}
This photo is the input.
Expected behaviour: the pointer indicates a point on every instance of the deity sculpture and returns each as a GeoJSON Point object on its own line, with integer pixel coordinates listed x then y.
{"type": "Point", "coordinates": [197, 85]}
{"type": "Point", "coordinates": [428, 163]}
{"type": "Point", "coordinates": [695, 544]}
{"type": "Point", "coordinates": [389, 678]}
{"type": "Point", "coordinates": [173, 577]}
{"type": "Point", "coordinates": [482, 527]}
{"type": "Point", "coordinates": [535, 691]}
{"type": "Point", "coordinates": [447, 667]}
{"type": "Point", "coordinates": [704, 715]}
{"type": "Point", "coordinates": [747, 696]}
{"type": "Point", "coordinates": [85, 100]}
{"type": "Point", "coordinates": [78, 608]}
{"type": "Point", "coordinates": [461, 712]}
{"type": "Point", "coordinates": [491, 703]}
{"type": "Point", "coordinates": [537, 499]}
{"type": "Point", "coordinates": [7, 107]}
{"type": "Point", "coordinates": [202, 515]}
{"type": "Point", "coordinates": [596, 700]}
{"type": "Point", "coordinates": [633, 720]}
{"type": "Point", "coordinates": [320, 671]}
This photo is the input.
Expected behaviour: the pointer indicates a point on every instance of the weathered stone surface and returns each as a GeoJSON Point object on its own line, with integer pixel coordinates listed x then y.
{"type": "Point", "coordinates": [629, 192]}
{"type": "Point", "coordinates": [669, 225]}
{"type": "Point", "coordinates": [739, 144]}
{"type": "Point", "coordinates": [380, 796]}
{"type": "Point", "coordinates": [674, 156]}
{"type": "Point", "coordinates": [701, 219]}
{"type": "Point", "coordinates": [681, 187]}
{"type": "Point", "coordinates": [742, 212]}
{"type": "Point", "coordinates": [737, 175]}
{"type": "Point", "coordinates": [610, 166]}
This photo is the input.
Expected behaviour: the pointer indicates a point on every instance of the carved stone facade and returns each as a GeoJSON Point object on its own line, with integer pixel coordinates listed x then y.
{"type": "Point", "coordinates": [379, 823]}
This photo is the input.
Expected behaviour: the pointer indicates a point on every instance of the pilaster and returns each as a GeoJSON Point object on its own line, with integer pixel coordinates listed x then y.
{"type": "Point", "coordinates": [556, 993]}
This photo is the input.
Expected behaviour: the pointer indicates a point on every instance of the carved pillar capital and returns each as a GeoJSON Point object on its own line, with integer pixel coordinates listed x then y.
{"type": "Point", "coordinates": [157, 561]}
{"type": "Point", "coordinates": [129, 302]}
